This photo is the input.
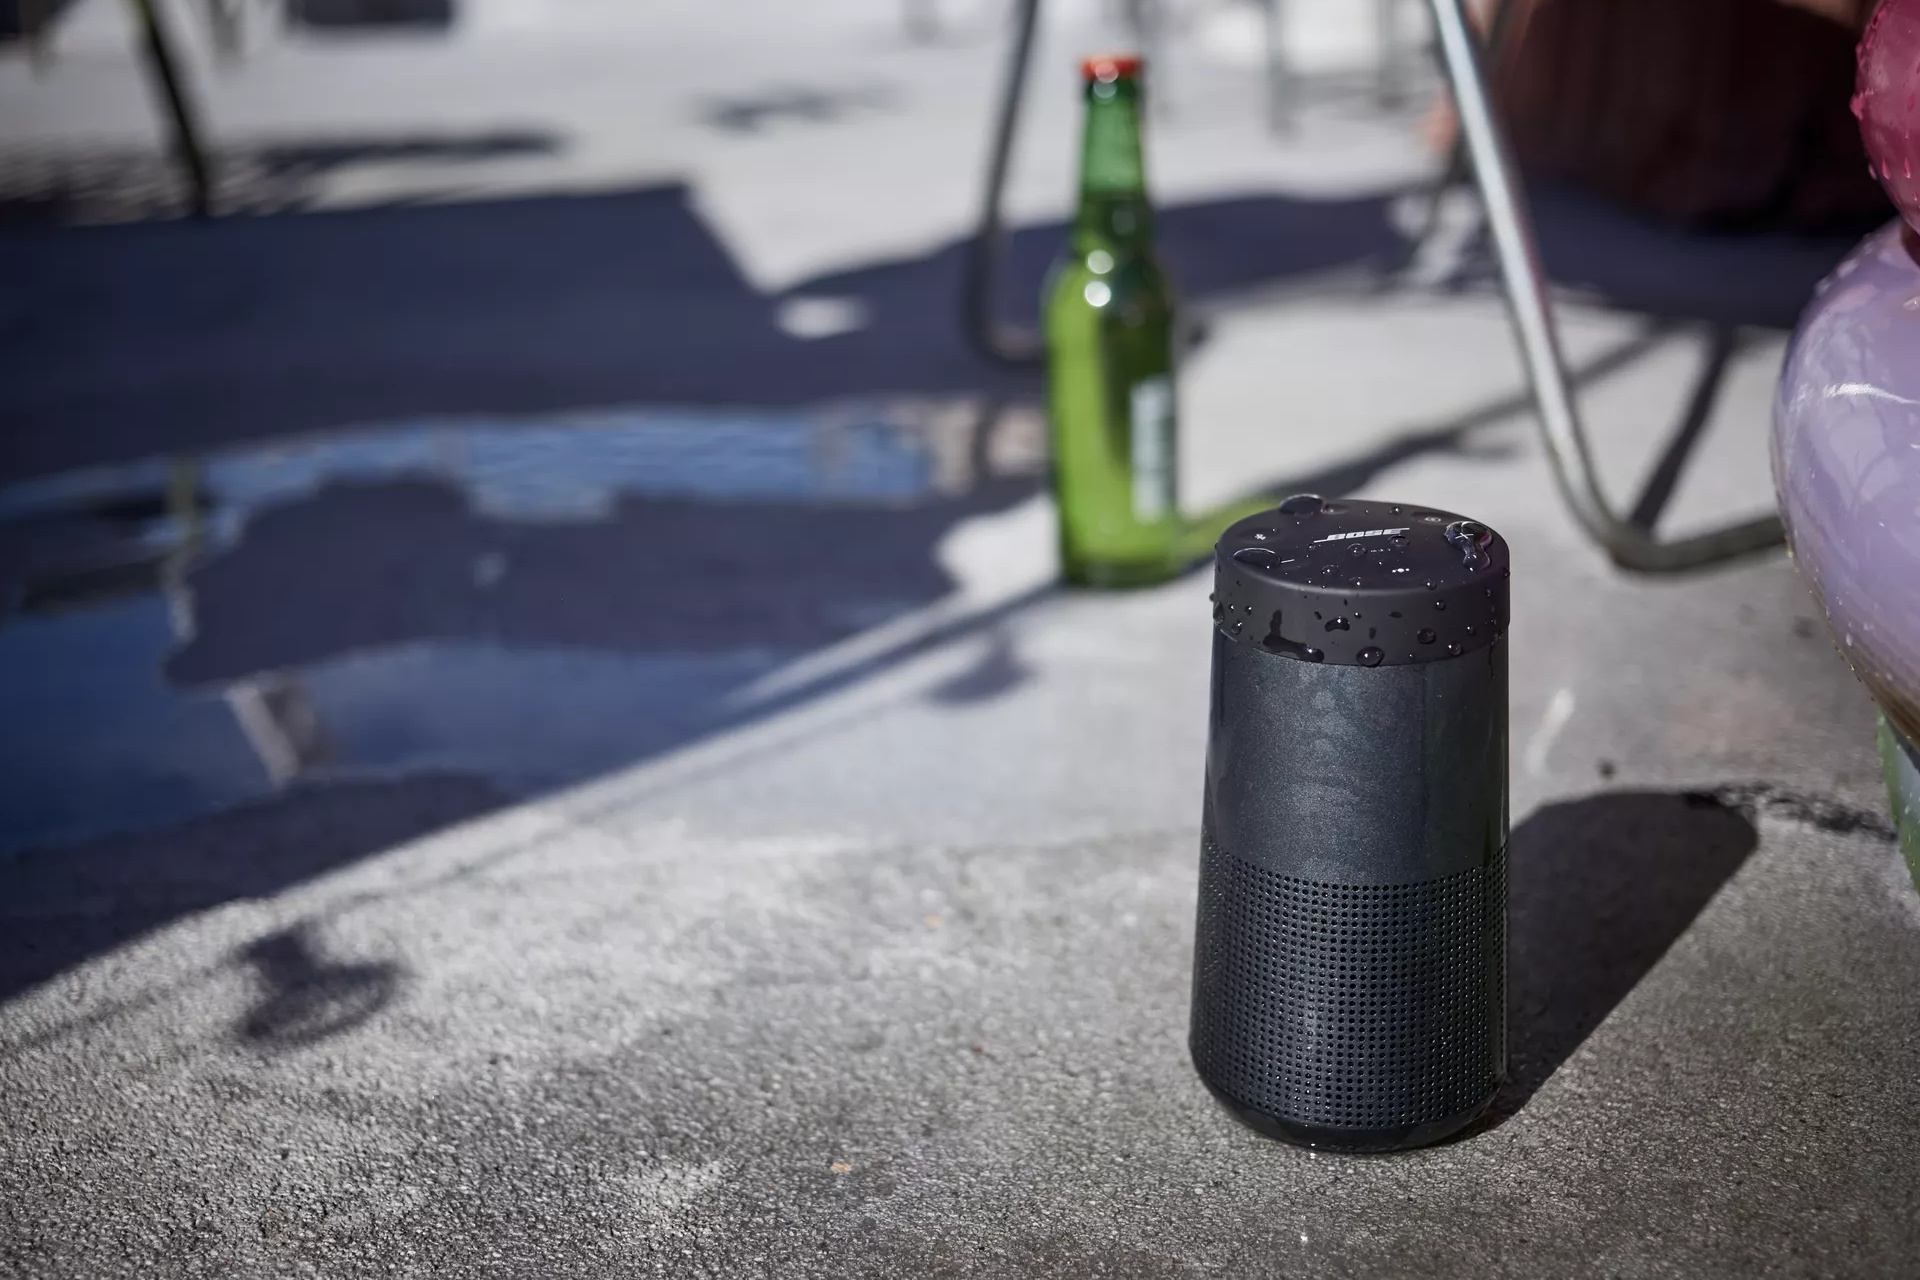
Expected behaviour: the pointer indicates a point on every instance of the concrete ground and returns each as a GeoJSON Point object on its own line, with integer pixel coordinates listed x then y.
{"type": "Point", "coordinates": [541, 740]}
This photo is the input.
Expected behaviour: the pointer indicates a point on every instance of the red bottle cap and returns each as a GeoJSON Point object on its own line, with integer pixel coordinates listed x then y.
{"type": "Point", "coordinates": [1112, 66]}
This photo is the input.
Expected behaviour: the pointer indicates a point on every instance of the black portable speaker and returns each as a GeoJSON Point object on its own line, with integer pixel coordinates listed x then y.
{"type": "Point", "coordinates": [1349, 982]}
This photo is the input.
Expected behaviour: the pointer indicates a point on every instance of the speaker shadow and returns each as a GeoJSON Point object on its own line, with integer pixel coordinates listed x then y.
{"type": "Point", "coordinates": [1599, 888]}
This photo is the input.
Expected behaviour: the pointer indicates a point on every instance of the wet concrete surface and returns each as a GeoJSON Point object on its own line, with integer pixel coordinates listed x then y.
{"type": "Point", "coordinates": [567, 598]}
{"type": "Point", "coordinates": [594, 777]}
{"type": "Point", "coordinates": [894, 980]}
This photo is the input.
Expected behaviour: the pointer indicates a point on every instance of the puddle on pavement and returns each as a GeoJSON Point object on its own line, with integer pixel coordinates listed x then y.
{"type": "Point", "coordinates": [532, 602]}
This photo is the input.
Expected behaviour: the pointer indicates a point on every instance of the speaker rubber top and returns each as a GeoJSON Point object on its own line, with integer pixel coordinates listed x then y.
{"type": "Point", "coordinates": [1364, 584]}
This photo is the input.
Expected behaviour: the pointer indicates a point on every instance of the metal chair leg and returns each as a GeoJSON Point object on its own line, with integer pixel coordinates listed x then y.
{"type": "Point", "coordinates": [223, 22]}
{"type": "Point", "coordinates": [1386, 72]}
{"type": "Point", "coordinates": [1526, 291]}
{"type": "Point", "coordinates": [1146, 21]}
{"type": "Point", "coordinates": [923, 21]}
{"type": "Point", "coordinates": [186, 130]}
{"type": "Point", "coordinates": [34, 22]}
{"type": "Point", "coordinates": [1280, 79]}
{"type": "Point", "coordinates": [979, 289]}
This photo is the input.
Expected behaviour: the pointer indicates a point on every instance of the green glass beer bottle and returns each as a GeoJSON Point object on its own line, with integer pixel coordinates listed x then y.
{"type": "Point", "coordinates": [1109, 331]}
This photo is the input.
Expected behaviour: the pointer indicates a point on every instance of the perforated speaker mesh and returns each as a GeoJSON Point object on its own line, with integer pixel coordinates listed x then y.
{"type": "Point", "coordinates": [1350, 1006]}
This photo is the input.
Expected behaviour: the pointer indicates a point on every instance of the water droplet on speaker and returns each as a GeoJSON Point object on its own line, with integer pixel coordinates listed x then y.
{"type": "Point", "coordinates": [1301, 504]}
{"type": "Point", "coordinates": [1277, 643]}
{"type": "Point", "coordinates": [1426, 635]}
{"type": "Point", "coordinates": [1370, 656]}
{"type": "Point", "coordinates": [1469, 533]}
{"type": "Point", "coordinates": [1258, 557]}
{"type": "Point", "coordinates": [1337, 624]}
{"type": "Point", "coordinates": [1440, 605]}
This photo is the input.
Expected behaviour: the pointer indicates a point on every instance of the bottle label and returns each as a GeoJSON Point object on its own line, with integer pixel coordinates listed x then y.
{"type": "Point", "coordinates": [1152, 405]}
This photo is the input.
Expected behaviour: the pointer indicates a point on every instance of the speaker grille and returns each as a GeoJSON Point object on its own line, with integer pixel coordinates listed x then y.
{"type": "Point", "coordinates": [1350, 1006]}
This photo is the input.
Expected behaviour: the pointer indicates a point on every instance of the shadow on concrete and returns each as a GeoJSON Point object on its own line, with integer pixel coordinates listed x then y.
{"type": "Point", "coordinates": [321, 155]}
{"type": "Point", "coordinates": [61, 906]}
{"type": "Point", "coordinates": [756, 112]}
{"type": "Point", "coordinates": [996, 672]}
{"type": "Point", "coordinates": [20, 19]}
{"type": "Point", "coordinates": [413, 632]}
{"type": "Point", "coordinates": [338, 15]}
{"type": "Point", "coordinates": [660, 575]}
{"type": "Point", "coordinates": [42, 187]}
{"type": "Point", "coordinates": [394, 627]}
{"type": "Point", "coordinates": [305, 996]}
{"type": "Point", "coordinates": [121, 341]}
{"type": "Point", "coordinates": [1598, 890]}
{"type": "Point", "coordinates": [1631, 262]}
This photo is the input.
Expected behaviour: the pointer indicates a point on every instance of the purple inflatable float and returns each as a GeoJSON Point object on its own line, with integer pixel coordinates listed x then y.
{"type": "Point", "coordinates": [1846, 447]}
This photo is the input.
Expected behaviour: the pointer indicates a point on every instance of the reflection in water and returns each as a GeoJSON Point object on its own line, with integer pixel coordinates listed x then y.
{"type": "Point", "coordinates": [95, 741]}
{"type": "Point", "coordinates": [282, 724]}
{"type": "Point", "coordinates": [571, 466]}
{"type": "Point", "coordinates": [529, 603]}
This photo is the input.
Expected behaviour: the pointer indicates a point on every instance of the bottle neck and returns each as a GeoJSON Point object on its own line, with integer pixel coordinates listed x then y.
{"type": "Point", "coordinates": [1114, 212]}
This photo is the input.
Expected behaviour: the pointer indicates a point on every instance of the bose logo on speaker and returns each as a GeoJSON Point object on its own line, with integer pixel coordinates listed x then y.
{"type": "Point", "coordinates": [1364, 533]}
